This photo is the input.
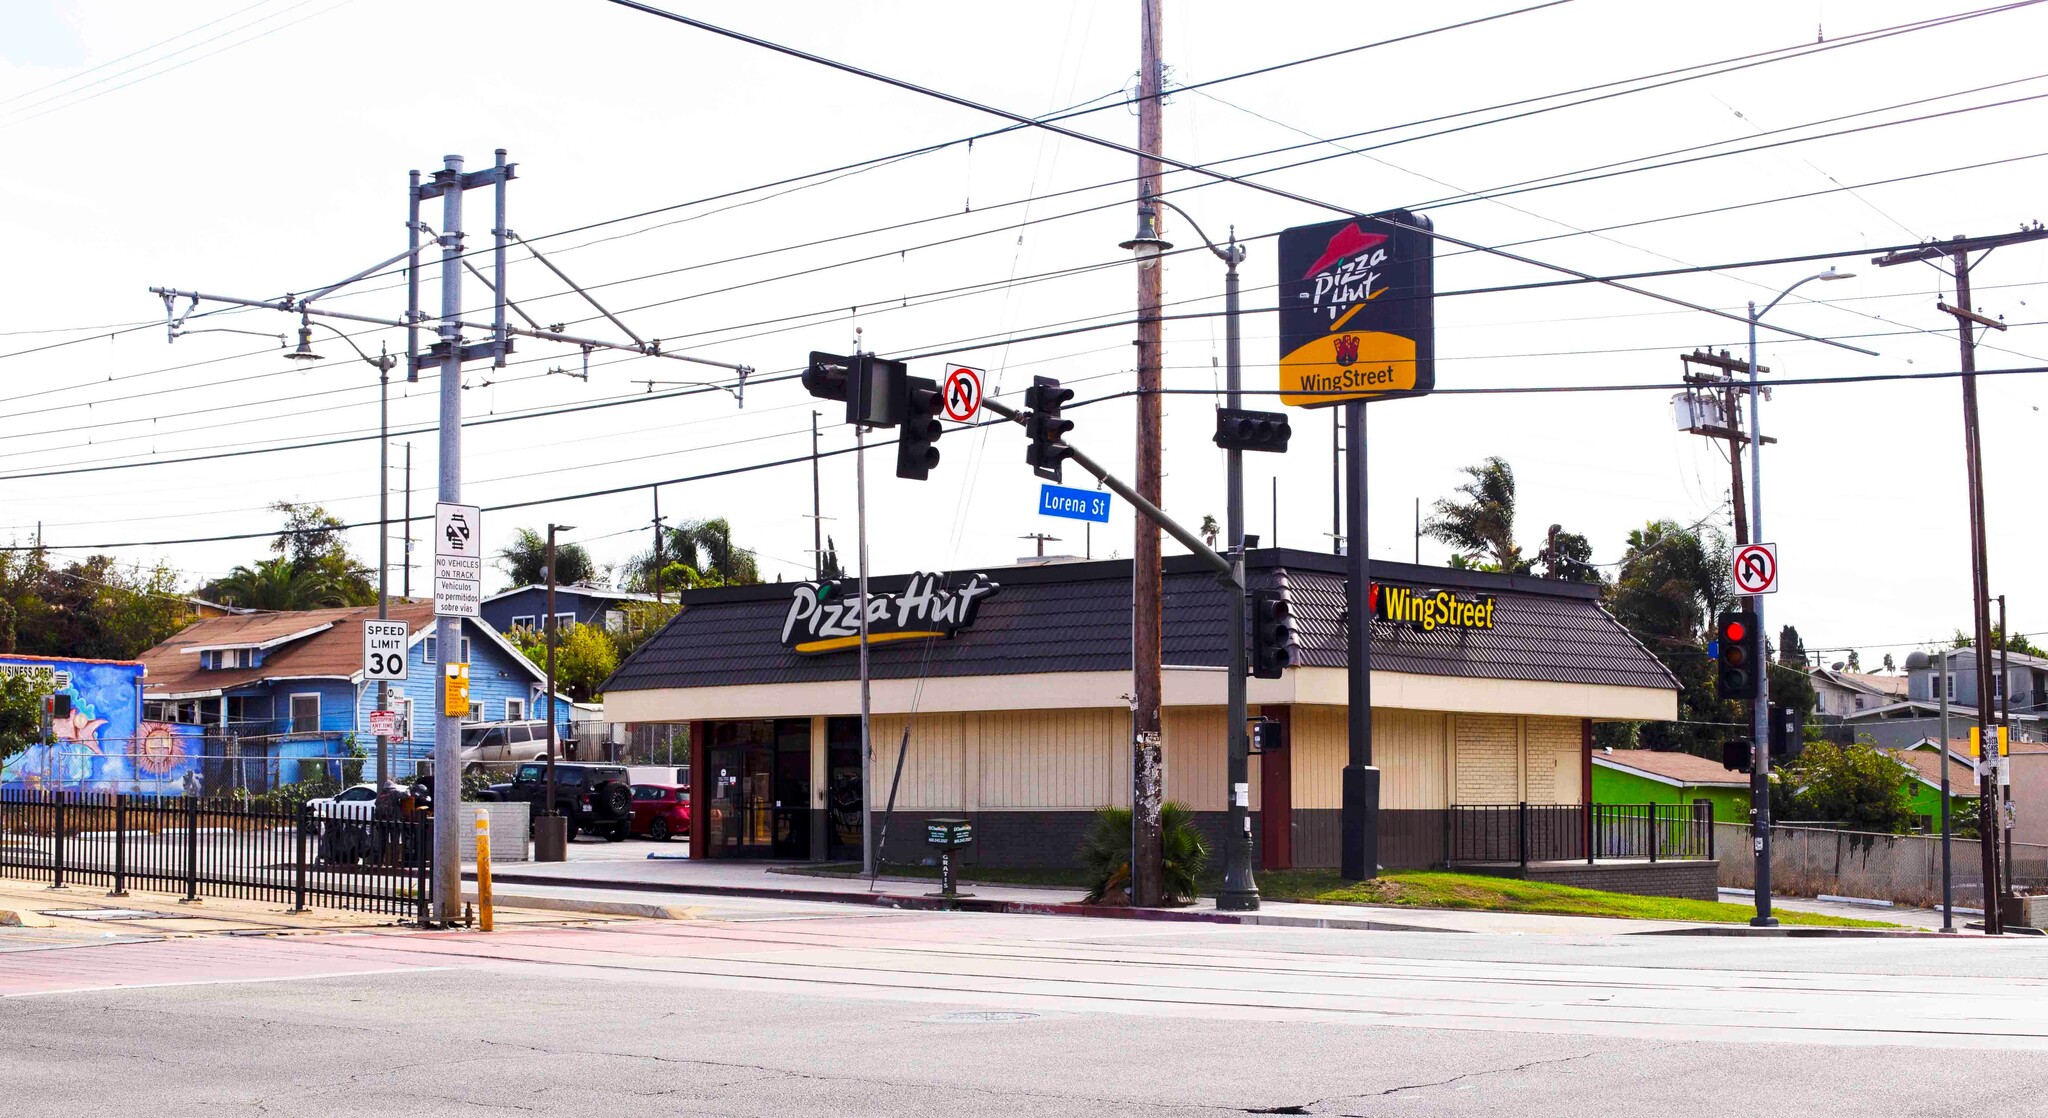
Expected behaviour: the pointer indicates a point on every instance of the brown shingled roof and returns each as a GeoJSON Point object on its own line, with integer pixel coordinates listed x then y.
{"type": "Point", "coordinates": [1686, 768]}
{"type": "Point", "coordinates": [1926, 763]}
{"type": "Point", "coordinates": [335, 652]}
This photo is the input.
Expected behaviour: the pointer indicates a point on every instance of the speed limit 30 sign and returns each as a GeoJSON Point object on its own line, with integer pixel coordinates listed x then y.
{"type": "Point", "coordinates": [384, 650]}
{"type": "Point", "coordinates": [1756, 568]}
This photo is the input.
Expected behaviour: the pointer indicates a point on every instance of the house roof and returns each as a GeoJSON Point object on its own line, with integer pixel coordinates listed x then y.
{"type": "Point", "coordinates": [576, 591]}
{"type": "Point", "coordinates": [1892, 686]}
{"type": "Point", "coordinates": [1076, 617]}
{"type": "Point", "coordinates": [1687, 769]}
{"type": "Point", "coordinates": [1926, 764]}
{"type": "Point", "coordinates": [10, 657]}
{"type": "Point", "coordinates": [328, 645]}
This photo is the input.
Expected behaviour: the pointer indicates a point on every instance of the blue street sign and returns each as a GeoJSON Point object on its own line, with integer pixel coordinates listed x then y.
{"type": "Point", "coordinates": [1073, 504]}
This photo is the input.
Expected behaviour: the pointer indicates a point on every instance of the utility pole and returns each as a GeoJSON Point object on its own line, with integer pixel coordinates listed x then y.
{"type": "Point", "coordinates": [2005, 723]}
{"type": "Point", "coordinates": [408, 520]}
{"type": "Point", "coordinates": [817, 508]}
{"type": "Point", "coordinates": [383, 545]}
{"type": "Point", "coordinates": [658, 518]}
{"type": "Point", "coordinates": [1042, 540]}
{"type": "Point", "coordinates": [1148, 777]}
{"type": "Point", "coordinates": [1957, 250]}
{"type": "Point", "coordinates": [551, 830]}
{"type": "Point", "coordinates": [1701, 387]}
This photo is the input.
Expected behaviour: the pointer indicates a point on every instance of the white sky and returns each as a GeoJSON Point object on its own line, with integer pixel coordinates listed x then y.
{"type": "Point", "coordinates": [267, 153]}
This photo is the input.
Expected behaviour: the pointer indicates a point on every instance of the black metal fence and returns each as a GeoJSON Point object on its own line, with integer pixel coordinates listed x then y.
{"type": "Point", "coordinates": [1524, 833]}
{"type": "Point", "coordinates": [218, 848]}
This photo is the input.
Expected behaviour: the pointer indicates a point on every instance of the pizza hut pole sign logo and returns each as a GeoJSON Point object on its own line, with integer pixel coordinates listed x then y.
{"type": "Point", "coordinates": [1357, 312]}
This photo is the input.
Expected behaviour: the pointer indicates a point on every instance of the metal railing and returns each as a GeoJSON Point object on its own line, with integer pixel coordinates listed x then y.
{"type": "Point", "coordinates": [1522, 833]}
{"type": "Point", "coordinates": [313, 856]}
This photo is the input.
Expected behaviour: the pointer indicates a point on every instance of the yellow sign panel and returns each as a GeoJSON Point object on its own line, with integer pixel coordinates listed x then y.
{"type": "Point", "coordinates": [1977, 742]}
{"type": "Point", "coordinates": [457, 677]}
{"type": "Point", "coordinates": [1347, 366]}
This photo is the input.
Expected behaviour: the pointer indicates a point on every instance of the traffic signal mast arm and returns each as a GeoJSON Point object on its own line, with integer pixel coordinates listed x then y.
{"type": "Point", "coordinates": [1223, 566]}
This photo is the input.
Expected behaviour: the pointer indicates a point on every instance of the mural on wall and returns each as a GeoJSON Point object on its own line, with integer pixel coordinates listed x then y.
{"type": "Point", "coordinates": [103, 745]}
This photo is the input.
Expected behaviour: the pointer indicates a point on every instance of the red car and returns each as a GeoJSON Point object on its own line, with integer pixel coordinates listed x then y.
{"type": "Point", "coordinates": [661, 811]}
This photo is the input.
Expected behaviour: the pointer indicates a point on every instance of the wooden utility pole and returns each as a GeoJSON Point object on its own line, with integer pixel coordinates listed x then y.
{"type": "Point", "coordinates": [1731, 427]}
{"type": "Point", "coordinates": [1957, 251]}
{"type": "Point", "coordinates": [658, 518]}
{"type": "Point", "coordinates": [1148, 775]}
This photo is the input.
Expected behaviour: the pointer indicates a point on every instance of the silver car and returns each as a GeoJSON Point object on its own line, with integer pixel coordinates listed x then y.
{"type": "Point", "coordinates": [491, 745]}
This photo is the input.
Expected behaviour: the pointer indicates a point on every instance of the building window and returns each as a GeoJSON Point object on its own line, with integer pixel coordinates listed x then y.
{"type": "Point", "coordinates": [565, 621]}
{"type": "Point", "coordinates": [401, 707]}
{"type": "Point", "coordinates": [433, 644]}
{"type": "Point", "coordinates": [305, 713]}
{"type": "Point", "coordinates": [1951, 685]}
{"type": "Point", "coordinates": [515, 710]}
{"type": "Point", "coordinates": [523, 621]}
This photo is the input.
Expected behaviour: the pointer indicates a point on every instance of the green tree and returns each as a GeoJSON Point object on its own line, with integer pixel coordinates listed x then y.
{"type": "Point", "coordinates": [1859, 786]}
{"type": "Point", "coordinates": [695, 553]}
{"type": "Point", "coordinates": [274, 584]}
{"type": "Point", "coordinates": [829, 566]}
{"type": "Point", "coordinates": [21, 714]}
{"type": "Point", "coordinates": [1567, 557]}
{"type": "Point", "coordinates": [526, 561]}
{"type": "Point", "coordinates": [24, 576]}
{"type": "Point", "coordinates": [1791, 649]}
{"type": "Point", "coordinates": [99, 610]}
{"type": "Point", "coordinates": [2019, 643]}
{"type": "Point", "coordinates": [584, 656]}
{"type": "Point", "coordinates": [1481, 528]}
{"type": "Point", "coordinates": [1672, 581]}
{"type": "Point", "coordinates": [1210, 530]}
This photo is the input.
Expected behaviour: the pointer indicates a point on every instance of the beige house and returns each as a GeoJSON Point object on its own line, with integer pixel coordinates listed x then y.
{"type": "Point", "coordinates": [1013, 687]}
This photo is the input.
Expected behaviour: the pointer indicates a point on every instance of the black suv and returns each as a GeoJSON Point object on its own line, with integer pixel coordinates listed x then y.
{"type": "Point", "coordinates": [596, 799]}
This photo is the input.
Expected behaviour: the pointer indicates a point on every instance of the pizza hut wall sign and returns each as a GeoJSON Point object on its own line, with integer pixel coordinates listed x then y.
{"type": "Point", "coordinates": [1357, 310]}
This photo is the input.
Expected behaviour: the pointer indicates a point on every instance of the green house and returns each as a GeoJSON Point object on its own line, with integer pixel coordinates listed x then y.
{"type": "Point", "coordinates": [1924, 761]}
{"type": "Point", "coordinates": [1652, 776]}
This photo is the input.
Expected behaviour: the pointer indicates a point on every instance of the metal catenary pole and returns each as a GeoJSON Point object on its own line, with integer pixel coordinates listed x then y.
{"type": "Point", "coordinates": [1760, 705]}
{"type": "Point", "coordinates": [448, 630]}
{"type": "Point", "coordinates": [1240, 889]}
{"type": "Point", "coordinates": [406, 592]}
{"type": "Point", "coordinates": [2005, 724]}
{"type": "Point", "coordinates": [1147, 583]}
{"type": "Point", "coordinates": [817, 508]}
{"type": "Point", "coordinates": [867, 750]}
{"type": "Point", "coordinates": [553, 634]}
{"type": "Point", "coordinates": [1948, 892]}
{"type": "Point", "coordinates": [383, 549]}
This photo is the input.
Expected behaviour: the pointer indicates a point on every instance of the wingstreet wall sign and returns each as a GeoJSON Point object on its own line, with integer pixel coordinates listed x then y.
{"type": "Point", "coordinates": [1357, 310]}
{"type": "Point", "coordinates": [823, 617]}
{"type": "Point", "coordinates": [1430, 610]}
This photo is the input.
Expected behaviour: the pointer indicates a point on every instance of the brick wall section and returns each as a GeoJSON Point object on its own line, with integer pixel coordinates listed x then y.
{"type": "Point", "coordinates": [1487, 759]}
{"type": "Point", "coordinates": [1554, 760]}
{"type": "Point", "coordinates": [1693, 880]}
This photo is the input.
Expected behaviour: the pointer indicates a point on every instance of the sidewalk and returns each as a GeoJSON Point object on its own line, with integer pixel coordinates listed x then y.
{"type": "Point", "coordinates": [668, 872]}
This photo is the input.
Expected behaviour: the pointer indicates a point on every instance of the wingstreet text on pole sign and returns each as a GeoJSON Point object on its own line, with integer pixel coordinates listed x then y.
{"type": "Point", "coordinates": [458, 560]}
{"type": "Point", "coordinates": [1357, 310]}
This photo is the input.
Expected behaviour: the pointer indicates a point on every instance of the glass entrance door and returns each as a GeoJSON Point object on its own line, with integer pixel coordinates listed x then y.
{"type": "Point", "coordinates": [760, 784]}
{"type": "Point", "coordinates": [843, 817]}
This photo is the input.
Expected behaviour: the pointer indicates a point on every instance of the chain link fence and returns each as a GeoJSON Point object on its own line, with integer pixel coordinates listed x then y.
{"type": "Point", "coordinates": [1906, 869]}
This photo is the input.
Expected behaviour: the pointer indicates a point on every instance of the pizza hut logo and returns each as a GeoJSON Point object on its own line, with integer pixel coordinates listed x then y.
{"type": "Point", "coordinates": [1347, 349]}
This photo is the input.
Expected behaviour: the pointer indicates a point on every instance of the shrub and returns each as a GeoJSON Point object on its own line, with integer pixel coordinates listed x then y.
{"type": "Point", "coordinates": [1106, 853]}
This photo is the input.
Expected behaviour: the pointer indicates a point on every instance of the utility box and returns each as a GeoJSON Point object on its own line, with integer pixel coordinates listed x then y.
{"type": "Point", "coordinates": [2024, 911]}
{"type": "Point", "coordinates": [948, 835]}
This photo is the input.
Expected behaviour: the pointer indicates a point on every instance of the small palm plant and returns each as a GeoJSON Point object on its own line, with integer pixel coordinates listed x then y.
{"type": "Point", "coordinates": [1106, 854]}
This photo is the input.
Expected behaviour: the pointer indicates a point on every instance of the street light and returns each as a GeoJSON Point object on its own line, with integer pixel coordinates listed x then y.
{"type": "Point", "coordinates": [1760, 737]}
{"type": "Point", "coordinates": [383, 362]}
{"type": "Point", "coordinates": [1240, 892]}
{"type": "Point", "coordinates": [1917, 660]}
{"type": "Point", "coordinates": [1147, 245]}
{"type": "Point", "coordinates": [554, 846]}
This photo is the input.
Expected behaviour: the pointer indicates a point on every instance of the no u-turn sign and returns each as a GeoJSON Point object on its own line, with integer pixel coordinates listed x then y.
{"type": "Point", "coordinates": [1756, 568]}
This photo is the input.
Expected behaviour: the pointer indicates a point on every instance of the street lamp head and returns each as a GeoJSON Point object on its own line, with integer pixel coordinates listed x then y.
{"type": "Point", "coordinates": [1147, 244]}
{"type": "Point", "coordinates": [305, 350]}
{"type": "Point", "coordinates": [1831, 274]}
{"type": "Point", "coordinates": [561, 527]}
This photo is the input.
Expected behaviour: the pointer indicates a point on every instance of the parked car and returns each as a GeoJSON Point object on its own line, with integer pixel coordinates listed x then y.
{"type": "Point", "coordinates": [358, 825]}
{"type": "Point", "coordinates": [596, 799]}
{"type": "Point", "coordinates": [502, 743]}
{"type": "Point", "coordinates": [661, 811]}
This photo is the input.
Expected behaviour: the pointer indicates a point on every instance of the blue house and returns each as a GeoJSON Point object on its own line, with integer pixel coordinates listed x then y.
{"type": "Point", "coordinates": [527, 607]}
{"type": "Point", "coordinates": [280, 697]}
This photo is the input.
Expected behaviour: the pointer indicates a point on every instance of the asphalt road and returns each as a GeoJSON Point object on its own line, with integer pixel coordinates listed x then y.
{"type": "Point", "coordinates": [788, 1009]}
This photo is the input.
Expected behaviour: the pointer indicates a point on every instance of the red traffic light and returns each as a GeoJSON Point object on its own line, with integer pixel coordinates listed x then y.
{"type": "Point", "coordinates": [1735, 631]}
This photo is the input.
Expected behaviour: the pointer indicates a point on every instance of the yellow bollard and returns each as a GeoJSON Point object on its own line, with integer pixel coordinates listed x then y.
{"type": "Point", "coordinates": [483, 869]}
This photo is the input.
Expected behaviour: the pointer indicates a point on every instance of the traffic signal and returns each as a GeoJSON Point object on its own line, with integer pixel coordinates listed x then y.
{"type": "Point", "coordinates": [1238, 429]}
{"type": "Point", "coordinates": [826, 376]}
{"type": "Point", "coordinates": [1272, 628]}
{"type": "Point", "coordinates": [1788, 736]}
{"type": "Point", "coordinates": [1045, 427]}
{"type": "Point", "coordinates": [1737, 755]}
{"type": "Point", "coordinates": [1740, 648]}
{"type": "Point", "coordinates": [875, 391]}
{"type": "Point", "coordinates": [915, 454]}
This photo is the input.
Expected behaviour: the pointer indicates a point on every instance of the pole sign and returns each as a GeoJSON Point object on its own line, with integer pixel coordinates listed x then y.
{"type": "Point", "coordinates": [961, 393]}
{"type": "Point", "coordinates": [384, 723]}
{"type": "Point", "coordinates": [458, 560]}
{"type": "Point", "coordinates": [1756, 568]}
{"type": "Point", "coordinates": [384, 650]}
{"type": "Point", "coordinates": [1357, 310]}
{"type": "Point", "coordinates": [1073, 504]}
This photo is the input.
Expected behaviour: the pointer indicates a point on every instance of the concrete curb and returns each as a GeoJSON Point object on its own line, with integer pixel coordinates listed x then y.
{"type": "Point", "coordinates": [922, 903]}
{"type": "Point", "coordinates": [23, 918]}
{"type": "Point", "coordinates": [1796, 931]}
{"type": "Point", "coordinates": [531, 902]}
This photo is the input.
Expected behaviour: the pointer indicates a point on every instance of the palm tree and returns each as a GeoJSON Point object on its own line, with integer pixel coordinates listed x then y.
{"type": "Point", "coordinates": [526, 560]}
{"type": "Point", "coordinates": [273, 584]}
{"type": "Point", "coordinates": [1210, 531]}
{"type": "Point", "coordinates": [1482, 527]}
